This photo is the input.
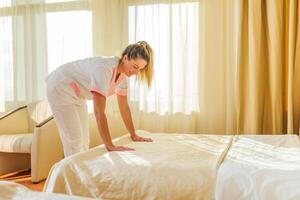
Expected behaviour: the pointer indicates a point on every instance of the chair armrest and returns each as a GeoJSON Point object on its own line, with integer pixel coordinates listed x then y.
{"type": "Point", "coordinates": [44, 122]}
{"type": "Point", "coordinates": [46, 149]}
{"type": "Point", "coordinates": [15, 121]}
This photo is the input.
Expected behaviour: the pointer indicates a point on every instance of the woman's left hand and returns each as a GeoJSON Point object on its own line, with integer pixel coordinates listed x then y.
{"type": "Point", "coordinates": [137, 138]}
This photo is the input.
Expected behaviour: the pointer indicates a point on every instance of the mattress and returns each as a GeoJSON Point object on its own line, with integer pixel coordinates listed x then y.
{"type": "Point", "coordinates": [15, 191]}
{"type": "Point", "coordinates": [174, 166]}
{"type": "Point", "coordinates": [260, 167]}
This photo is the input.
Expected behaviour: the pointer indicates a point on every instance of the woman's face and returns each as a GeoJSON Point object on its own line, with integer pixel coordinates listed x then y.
{"type": "Point", "coordinates": [133, 66]}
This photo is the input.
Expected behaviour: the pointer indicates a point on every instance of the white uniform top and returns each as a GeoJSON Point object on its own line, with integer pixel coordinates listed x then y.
{"type": "Point", "coordinates": [96, 74]}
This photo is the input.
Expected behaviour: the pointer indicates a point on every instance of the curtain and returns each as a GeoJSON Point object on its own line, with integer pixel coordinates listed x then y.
{"type": "Point", "coordinates": [36, 37]}
{"type": "Point", "coordinates": [22, 35]}
{"type": "Point", "coordinates": [292, 65]}
{"type": "Point", "coordinates": [247, 60]}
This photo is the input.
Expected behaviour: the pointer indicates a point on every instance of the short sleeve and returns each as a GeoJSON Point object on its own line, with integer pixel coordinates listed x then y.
{"type": "Point", "coordinates": [121, 89]}
{"type": "Point", "coordinates": [100, 79]}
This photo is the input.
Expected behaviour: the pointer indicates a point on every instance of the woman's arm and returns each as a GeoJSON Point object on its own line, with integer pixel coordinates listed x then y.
{"type": "Point", "coordinates": [126, 116]}
{"type": "Point", "coordinates": [99, 111]}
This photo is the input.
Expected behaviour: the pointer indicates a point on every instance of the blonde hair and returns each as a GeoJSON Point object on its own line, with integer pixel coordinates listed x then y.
{"type": "Point", "coordinates": [141, 50]}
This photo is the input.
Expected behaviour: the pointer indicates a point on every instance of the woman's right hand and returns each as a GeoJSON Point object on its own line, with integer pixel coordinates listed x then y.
{"type": "Point", "coordinates": [118, 148]}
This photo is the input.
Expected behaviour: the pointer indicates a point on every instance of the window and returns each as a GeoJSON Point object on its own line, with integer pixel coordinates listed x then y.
{"type": "Point", "coordinates": [69, 37]}
{"type": "Point", "coordinates": [37, 36]}
{"type": "Point", "coordinates": [172, 31]}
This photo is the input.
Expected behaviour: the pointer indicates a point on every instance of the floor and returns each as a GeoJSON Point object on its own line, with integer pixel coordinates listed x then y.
{"type": "Point", "coordinates": [23, 177]}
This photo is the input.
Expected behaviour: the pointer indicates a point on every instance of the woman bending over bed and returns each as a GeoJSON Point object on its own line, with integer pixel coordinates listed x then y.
{"type": "Point", "coordinates": [70, 85]}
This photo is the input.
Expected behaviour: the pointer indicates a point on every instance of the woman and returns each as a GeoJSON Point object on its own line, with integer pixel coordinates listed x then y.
{"type": "Point", "coordinates": [70, 85]}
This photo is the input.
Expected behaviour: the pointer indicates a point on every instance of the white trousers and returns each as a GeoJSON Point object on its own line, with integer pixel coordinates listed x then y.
{"type": "Point", "coordinates": [71, 117]}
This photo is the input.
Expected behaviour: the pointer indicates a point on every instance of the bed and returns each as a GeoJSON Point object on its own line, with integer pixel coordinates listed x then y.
{"type": "Point", "coordinates": [174, 166]}
{"type": "Point", "coordinates": [184, 166]}
{"type": "Point", "coordinates": [12, 190]}
{"type": "Point", "coordinates": [260, 167]}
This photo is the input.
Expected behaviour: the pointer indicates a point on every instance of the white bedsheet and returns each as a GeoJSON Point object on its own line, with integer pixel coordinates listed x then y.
{"type": "Point", "coordinates": [12, 191]}
{"type": "Point", "coordinates": [174, 166]}
{"type": "Point", "coordinates": [262, 168]}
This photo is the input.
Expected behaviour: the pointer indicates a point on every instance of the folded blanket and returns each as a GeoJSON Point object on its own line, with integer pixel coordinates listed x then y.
{"type": "Point", "coordinates": [174, 166]}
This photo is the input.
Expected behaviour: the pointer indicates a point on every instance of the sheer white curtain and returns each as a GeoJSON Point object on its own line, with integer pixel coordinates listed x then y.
{"type": "Point", "coordinates": [172, 104]}
{"type": "Point", "coordinates": [172, 31]}
{"type": "Point", "coordinates": [23, 28]}
{"type": "Point", "coordinates": [6, 72]}
{"type": "Point", "coordinates": [36, 36]}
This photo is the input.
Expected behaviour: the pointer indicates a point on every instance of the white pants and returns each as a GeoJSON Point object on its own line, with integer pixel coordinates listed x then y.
{"type": "Point", "coordinates": [71, 117]}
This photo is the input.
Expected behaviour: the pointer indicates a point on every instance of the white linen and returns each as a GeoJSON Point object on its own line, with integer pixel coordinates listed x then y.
{"type": "Point", "coordinates": [11, 190]}
{"type": "Point", "coordinates": [174, 166]}
{"type": "Point", "coordinates": [260, 167]}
